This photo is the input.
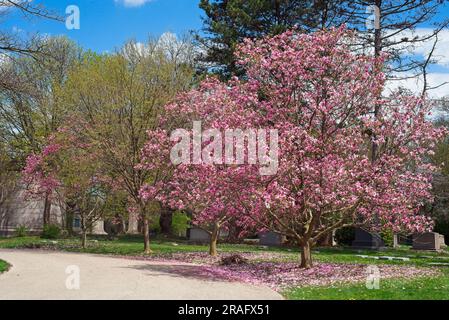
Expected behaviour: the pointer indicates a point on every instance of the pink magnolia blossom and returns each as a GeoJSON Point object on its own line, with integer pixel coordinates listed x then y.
{"type": "Point", "coordinates": [320, 96]}
{"type": "Point", "coordinates": [39, 176]}
{"type": "Point", "coordinates": [279, 271]}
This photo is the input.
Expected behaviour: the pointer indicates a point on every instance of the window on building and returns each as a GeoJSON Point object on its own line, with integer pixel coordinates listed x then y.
{"type": "Point", "coordinates": [77, 223]}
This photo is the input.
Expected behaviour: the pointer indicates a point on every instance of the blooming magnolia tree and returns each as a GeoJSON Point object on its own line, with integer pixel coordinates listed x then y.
{"type": "Point", "coordinates": [210, 193]}
{"type": "Point", "coordinates": [208, 189]}
{"type": "Point", "coordinates": [68, 170]}
{"type": "Point", "coordinates": [320, 96]}
{"type": "Point", "coordinates": [39, 174]}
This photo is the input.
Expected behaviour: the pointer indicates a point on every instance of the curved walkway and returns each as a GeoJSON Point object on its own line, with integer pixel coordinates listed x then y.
{"type": "Point", "coordinates": [45, 275]}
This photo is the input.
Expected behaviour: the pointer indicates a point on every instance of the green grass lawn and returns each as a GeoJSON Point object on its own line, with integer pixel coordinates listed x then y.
{"type": "Point", "coordinates": [125, 245]}
{"type": "Point", "coordinates": [133, 246]}
{"type": "Point", "coordinates": [339, 255]}
{"type": "Point", "coordinates": [3, 266]}
{"type": "Point", "coordinates": [423, 288]}
{"type": "Point", "coordinates": [436, 288]}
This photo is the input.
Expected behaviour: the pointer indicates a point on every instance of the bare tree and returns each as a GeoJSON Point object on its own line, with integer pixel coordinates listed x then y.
{"type": "Point", "coordinates": [118, 98]}
{"type": "Point", "coordinates": [8, 182]}
{"type": "Point", "coordinates": [29, 107]}
{"type": "Point", "coordinates": [10, 42]}
{"type": "Point", "coordinates": [397, 27]}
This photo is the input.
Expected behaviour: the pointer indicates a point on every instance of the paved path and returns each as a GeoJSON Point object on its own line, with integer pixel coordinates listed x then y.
{"type": "Point", "coordinates": [42, 275]}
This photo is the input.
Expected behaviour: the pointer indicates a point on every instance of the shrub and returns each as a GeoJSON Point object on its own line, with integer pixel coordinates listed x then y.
{"type": "Point", "coordinates": [154, 226]}
{"type": "Point", "coordinates": [345, 236]}
{"type": "Point", "coordinates": [387, 236]}
{"type": "Point", "coordinates": [180, 223]}
{"type": "Point", "coordinates": [51, 231]}
{"type": "Point", "coordinates": [21, 231]}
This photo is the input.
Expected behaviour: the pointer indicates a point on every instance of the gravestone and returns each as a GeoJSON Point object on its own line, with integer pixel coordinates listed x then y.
{"type": "Point", "coordinates": [18, 210]}
{"type": "Point", "coordinates": [98, 228]}
{"type": "Point", "coordinates": [442, 242]}
{"type": "Point", "coordinates": [133, 224]}
{"type": "Point", "coordinates": [271, 239]}
{"type": "Point", "coordinates": [395, 240]}
{"type": "Point", "coordinates": [367, 240]}
{"type": "Point", "coordinates": [430, 241]}
{"type": "Point", "coordinates": [198, 235]}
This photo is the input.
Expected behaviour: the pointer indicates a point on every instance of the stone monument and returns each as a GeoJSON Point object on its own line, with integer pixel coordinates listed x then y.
{"type": "Point", "coordinates": [442, 241]}
{"type": "Point", "coordinates": [429, 241]}
{"type": "Point", "coordinates": [198, 235]}
{"type": "Point", "coordinates": [271, 239]}
{"type": "Point", "coordinates": [98, 228]}
{"type": "Point", "coordinates": [367, 240]}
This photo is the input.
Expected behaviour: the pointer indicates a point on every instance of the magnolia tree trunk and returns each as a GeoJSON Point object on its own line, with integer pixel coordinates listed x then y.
{"type": "Point", "coordinates": [146, 235]}
{"type": "Point", "coordinates": [213, 240]}
{"type": "Point", "coordinates": [306, 255]}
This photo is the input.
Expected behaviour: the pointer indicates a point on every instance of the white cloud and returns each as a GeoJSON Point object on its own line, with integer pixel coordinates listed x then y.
{"type": "Point", "coordinates": [423, 48]}
{"type": "Point", "coordinates": [176, 49]}
{"type": "Point", "coordinates": [132, 3]}
{"type": "Point", "coordinates": [415, 84]}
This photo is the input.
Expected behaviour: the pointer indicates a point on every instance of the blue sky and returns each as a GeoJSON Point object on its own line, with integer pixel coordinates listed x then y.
{"type": "Point", "coordinates": [107, 24]}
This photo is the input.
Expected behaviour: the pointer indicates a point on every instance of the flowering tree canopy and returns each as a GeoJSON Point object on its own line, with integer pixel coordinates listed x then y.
{"type": "Point", "coordinates": [69, 170]}
{"type": "Point", "coordinates": [207, 190]}
{"type": "Point", "coordinates": [320, 96]}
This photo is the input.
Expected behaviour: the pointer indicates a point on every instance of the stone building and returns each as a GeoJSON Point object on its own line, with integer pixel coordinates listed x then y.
{"type": "Point", "coordinates": [18, 211]}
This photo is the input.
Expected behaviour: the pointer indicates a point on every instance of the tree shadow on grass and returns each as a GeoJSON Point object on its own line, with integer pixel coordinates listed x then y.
{"type": "Point", "coordinates": [205, 273]}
